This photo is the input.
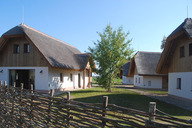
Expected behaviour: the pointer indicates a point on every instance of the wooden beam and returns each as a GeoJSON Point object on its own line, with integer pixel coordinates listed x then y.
{"type": "Point", "coordinates": [84, 79]}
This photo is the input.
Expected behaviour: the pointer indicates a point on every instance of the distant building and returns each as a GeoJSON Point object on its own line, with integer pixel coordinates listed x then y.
{"type": "Point", "coordinates": [31, 57]}
{"type": "Point", "coordinates": [126, 78]}
{"type": "Point", "coordinates": [176, 61]}
{"type": "Point", "coordinates": [143, 69]}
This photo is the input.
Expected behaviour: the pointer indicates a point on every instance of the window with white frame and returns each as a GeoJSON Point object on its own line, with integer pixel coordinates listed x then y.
{"type": "Point", "coordinates": [178, 83]}
{"type": "Point", "coordinates": [136, 80]}
{"type": "Point", "coordinates": [139, 80]}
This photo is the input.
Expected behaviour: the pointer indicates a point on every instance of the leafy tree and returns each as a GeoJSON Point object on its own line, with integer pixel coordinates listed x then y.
{"type": "Point", "coordinates": [110, 53]}
{"type": "Point", "coordinates": [163, 42]}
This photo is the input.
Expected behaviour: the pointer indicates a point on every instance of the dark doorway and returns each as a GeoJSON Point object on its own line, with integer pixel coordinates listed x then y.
{"type": "Point", "coordinates": [79, 80]}
{"type": "Point", "coordinates": [22, 76]}
{"type": "Point", "coordinates": [27, 77]}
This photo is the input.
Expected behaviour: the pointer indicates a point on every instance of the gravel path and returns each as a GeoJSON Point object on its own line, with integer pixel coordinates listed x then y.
{"type": "Point", "coordinates": [164, 97]}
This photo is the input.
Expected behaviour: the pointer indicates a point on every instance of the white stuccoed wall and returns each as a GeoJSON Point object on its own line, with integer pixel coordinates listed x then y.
{"type": "Point", "coordinates": [41, 79]}
{"type": "Point", "coordinates": [156, 82]}
{"type": "Point", "coordinates": [49, 78]}
{"type": "Point", "coordinates": [136, 82]}
{"type": "Point", "coordinates": [54, 79]}
{"type": "Point", "coordinates": [127, 80]}
{"type": "Point", "coordinates": [186, 85]}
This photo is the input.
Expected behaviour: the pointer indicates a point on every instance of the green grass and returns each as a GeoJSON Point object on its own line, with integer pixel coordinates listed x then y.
{"type": "Point", "coordinates": [154, 91]}
{"type": "Point", "coordinates": [117, 81]}
{"type": "Point", "coordinates": [126, 98]}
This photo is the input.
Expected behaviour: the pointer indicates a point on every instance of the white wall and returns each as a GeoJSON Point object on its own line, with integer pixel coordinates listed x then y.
{"type": "Point", "coordinates": [54, 79]}
{"type": "Point", "coordinates": [127, 80]}
{"type": "Point", "coordinates": [49, 78]}
{"type": "Point", "coordinates": [156, 81]}
{"type": "Point", "coordinates": [138, 80]}
{"type": "Point", "coordinates": [41, 79]}
{"type": "Point", "coordinates": [186, 84]}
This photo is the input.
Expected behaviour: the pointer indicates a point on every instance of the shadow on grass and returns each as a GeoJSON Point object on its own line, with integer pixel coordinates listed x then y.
{"type": "Point", "coordinates": [138, 102]}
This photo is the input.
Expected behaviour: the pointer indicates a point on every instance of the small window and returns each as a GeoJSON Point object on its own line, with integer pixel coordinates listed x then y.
{"type": "Point", "coordinates": [190, 49]}
{"type": "Point", "coordinates": [178, 83]}
{"type": "Point", "coordinates": [139, 80]}
{"type": "Point", "coordinates": [71, 77]}
{"type": "Point", "coordinates": [61, 77]}
{"type": "Point", "coordinates": [149, 83]}
{"type": "Point", "coordinates": [26, 48]}
{"type": "Point", "coordinates": [182, 51]}
{"type": "Point", "coordinates": [15, 48]}
{"type": "Point", "coordinates": [136, 80]}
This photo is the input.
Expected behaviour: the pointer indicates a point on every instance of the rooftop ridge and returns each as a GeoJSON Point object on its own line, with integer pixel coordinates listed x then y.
{"type": "Point", "coordinates": [46, 35]}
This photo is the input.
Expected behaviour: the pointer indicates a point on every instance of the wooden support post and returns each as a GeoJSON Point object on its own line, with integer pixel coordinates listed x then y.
{"type": "Point", "coordinates": [152, 111]}
{"type": "Point", "coordinates": [68, 109]}
{"type": "Point", "coordinates": [84, 78]}
{"type": "Point", "coordinates": [89, 75]}
{"type": "Point", "coordinates": [105, 104]}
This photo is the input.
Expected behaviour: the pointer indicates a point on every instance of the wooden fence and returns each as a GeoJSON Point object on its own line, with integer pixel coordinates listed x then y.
{"type": "Point", "coordinates": [28, 108]}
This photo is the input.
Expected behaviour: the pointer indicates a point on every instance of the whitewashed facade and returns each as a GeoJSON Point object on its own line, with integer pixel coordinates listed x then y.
{"type": "Point", "coordinates": [49, 78]}
{"type": "Point", "coordinates": [185, 89]}
{"type": "Point", "coordinates": [154, 82]}
{"type": "Point", "coordinates": [127, 80]}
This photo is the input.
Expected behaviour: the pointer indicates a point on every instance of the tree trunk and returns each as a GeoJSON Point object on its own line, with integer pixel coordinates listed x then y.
{"type": "Point", "coordinates": [109, 87]}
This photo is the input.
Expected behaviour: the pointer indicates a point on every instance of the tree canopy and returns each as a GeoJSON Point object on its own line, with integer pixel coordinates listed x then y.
{"type": "Point", "coordinates": [110, 53]}
{"type": "Point", "coordinates": [163, 42]}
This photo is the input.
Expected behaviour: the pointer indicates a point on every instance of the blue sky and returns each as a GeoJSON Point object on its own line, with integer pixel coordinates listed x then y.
{"type": "Point", "coordinates": [77, 21]}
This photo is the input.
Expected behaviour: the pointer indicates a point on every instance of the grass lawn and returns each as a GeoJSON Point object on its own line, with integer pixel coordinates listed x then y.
{"type": "Point", "coordinates": [126, 98]}
{"type": "Point", "coordinates": [117, 81]}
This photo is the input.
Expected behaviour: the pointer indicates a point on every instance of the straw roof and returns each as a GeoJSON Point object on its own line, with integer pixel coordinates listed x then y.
{"type": "Point", "coordinates": [145, 63]}
{"type": "Point", "coordinates": [57, 53]}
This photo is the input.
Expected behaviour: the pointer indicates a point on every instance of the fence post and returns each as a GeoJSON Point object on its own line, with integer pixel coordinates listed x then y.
{"type": "Point", "coordinates": [14, 84]}
{"type": "Point", "coordinates": [68, 109]}
{"type": "Point", "coordinates": [31, 108]}
{"type": "Point", "coordinates": [13, 95]}
{"type": "Point", "coordinates": [31, 88]}
{"type": "Point", "coordinates": [152, 111]}
{"type": "Point", "coordinates": [21, 118]}
{"type": "Point", "coordinates": [49, 108]}
{"type": "Point", "coordinates": [5, 83]}
{"type": "Point", "coordinates": [105, 104]}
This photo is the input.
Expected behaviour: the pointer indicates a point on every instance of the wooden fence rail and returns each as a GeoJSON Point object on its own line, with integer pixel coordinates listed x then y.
{"type": "Point", "coordinates": [28, 108]}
